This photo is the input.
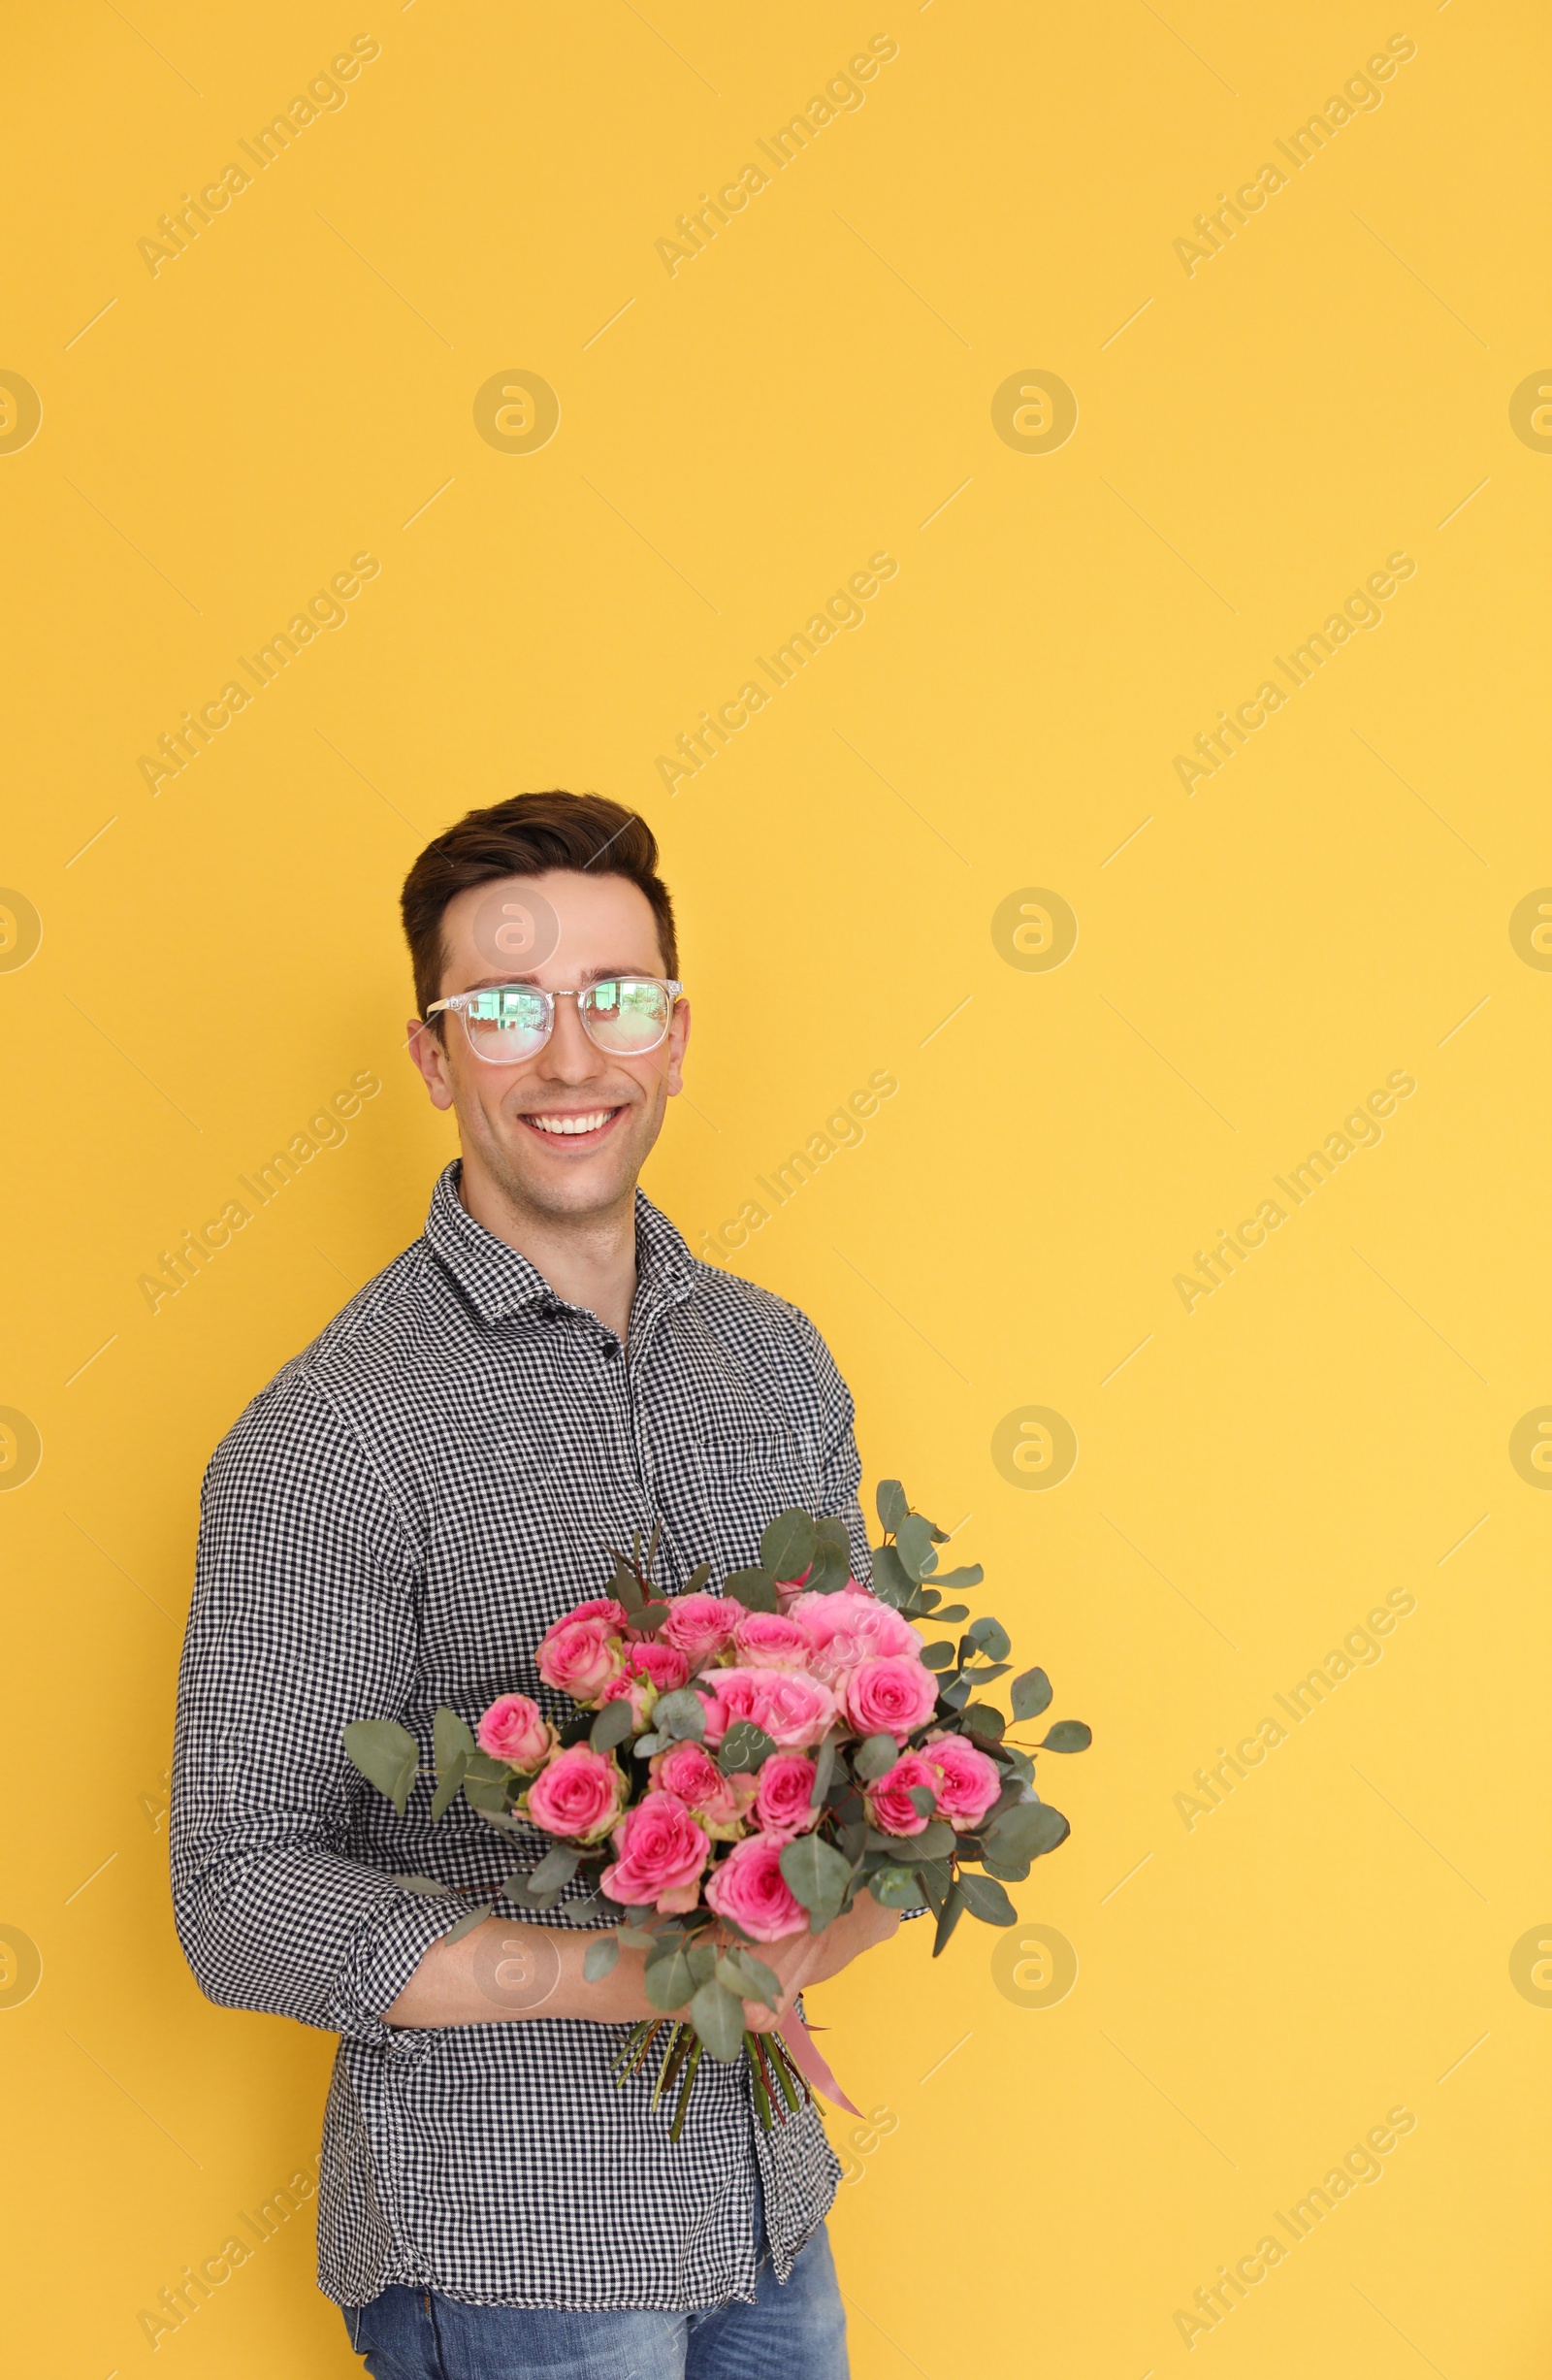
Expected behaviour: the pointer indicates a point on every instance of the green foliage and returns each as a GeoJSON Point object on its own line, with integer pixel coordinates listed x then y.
{"type": "Point", "coordinates": [680, 1714]}
{"type": "Point", "coordinates": [938, 1657]}
{"type": "Point", "coordinates": [818, 1876]}
{"type": "Point", "coordinates": [667, 1977]}
{"type": "Point", "coordinates": [788, 1546]}
{"type": "Point", "coordinates": [875, 1756]}
{"type": "Point", "coordinates": [984, 1722]}
{"type": "Point", "coordinates": [427, 1885]}
{"type": "Point", "coordinates": [750, 1977]}
{"type": "Point", "coordinates": [1027, 1831]}
{"type": "Point", "coordinates": [896, 1888]}
{"type": "Point", "coordinates": [601, 1959]}
{"type": "Point", "coordinates": [832, 1557]}
{"type": "Point", "coordinates": [893, 1506]}
{"type": "Point", "coordinates": [949, 1916]}
{"type": "Point", "coordinates": [1030, 1694]}
{"type": "Point", "coordinates": [1067, 1736]}
{"type": "Point", "coordinates": [892, 1582]}
{"type": "Point", "coordinates": [913, 1546]}
{"type": "Point", "coordinates": [985, 1898]}
{"type": "Point", "coordinates": [745, 1747]}
{"type": "Point", "coordinates": [754, 1589]}
{"type": "Point", "coordinates": [471, 1918]}
{"type": "Point", "coordinates": [989, 1638]}
{"type": "Point", "coordinates": [611, 1725]}
{"type": "Point", "coordinates": [387, 1756]}
{"type": "Point", "coordinates": [718, 2017]}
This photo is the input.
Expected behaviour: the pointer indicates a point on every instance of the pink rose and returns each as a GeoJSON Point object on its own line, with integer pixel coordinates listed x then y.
{"type": "Point", "coordinates": [603, 1607]}
{"type": "Point", "coordinates": [890, 1695]}
{"type": "Point", "coordinates": [699, 1626]}
{"type": "Point", "coordinates": [888, 1802]}
{"type": "Point", "coordinates": [665, 1664]}
{"type": "Point", "coordinates": [650, 1670]}
{"type": "Point", "coordinates": [852, 1626]}
{"type": "Point", "coordinates": [782, 1795]}
{"type": "Point", "coordinates": [577, 1795]}
{"type": "Point", "coordinates": [747, 1887]}
{"type": "Point", "coordinates": [512, 1730]}
{"type": "Point", "coordinates": [661, 1851]}
{"type": "Point", "coordinates": [765, 1640]}
{"type": "Point", "coordinates": [794, 1710]}
{"type": "Point", "coordinates": [968, 1780]}
{"type": "Point", "coordinates": [715, 1802]}
{"type": "Point", "coordinates": [579, 1657]}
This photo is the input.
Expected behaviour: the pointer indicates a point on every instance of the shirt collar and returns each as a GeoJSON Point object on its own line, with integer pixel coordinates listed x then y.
{"type": "Point", "coordinates": [498, 1281]}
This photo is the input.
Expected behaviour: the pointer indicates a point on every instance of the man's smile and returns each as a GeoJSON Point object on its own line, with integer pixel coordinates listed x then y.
{"type": "Point", "coordinates": [586, 1124]}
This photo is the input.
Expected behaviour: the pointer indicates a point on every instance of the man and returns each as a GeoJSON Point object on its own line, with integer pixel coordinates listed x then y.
{"type": "Point", "coordinates": [391, 1525]}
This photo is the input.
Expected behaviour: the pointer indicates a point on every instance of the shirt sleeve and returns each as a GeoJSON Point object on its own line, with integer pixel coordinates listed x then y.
{"type": "Point", "coordinates": [840, 1466]}
{"type": "Point", "coordinates": [302, 1619]}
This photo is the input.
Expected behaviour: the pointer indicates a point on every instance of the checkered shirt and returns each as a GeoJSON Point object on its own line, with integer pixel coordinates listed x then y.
{"type": "Point", "coordinates": [392, 1524]}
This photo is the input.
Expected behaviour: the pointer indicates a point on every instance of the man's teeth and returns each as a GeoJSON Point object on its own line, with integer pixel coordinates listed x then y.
{"type": "Point", "coordinates": [572, 1123]}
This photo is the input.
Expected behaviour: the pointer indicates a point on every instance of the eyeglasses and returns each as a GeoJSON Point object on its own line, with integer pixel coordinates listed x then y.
{"type": "Point", "coordinates": [625, 1015]}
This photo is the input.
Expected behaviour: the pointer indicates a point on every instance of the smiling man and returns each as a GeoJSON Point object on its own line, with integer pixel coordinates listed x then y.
{"type": "Point", "coordinates": [391, 1525]}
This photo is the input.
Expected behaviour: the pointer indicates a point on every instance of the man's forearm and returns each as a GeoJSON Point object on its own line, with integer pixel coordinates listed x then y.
{"type": "Point", "coordinates": [505, 1971]}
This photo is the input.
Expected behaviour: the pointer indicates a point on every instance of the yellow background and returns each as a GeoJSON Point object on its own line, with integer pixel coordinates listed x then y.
{"type": "Point", "coordinates": [1254, 1475]}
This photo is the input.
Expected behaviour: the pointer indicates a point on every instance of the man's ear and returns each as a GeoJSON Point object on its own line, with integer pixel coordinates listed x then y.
{"type": "Point", "coordinates": [430, 1059]}
{"type": "Point", "coordinates": [678, 1036]}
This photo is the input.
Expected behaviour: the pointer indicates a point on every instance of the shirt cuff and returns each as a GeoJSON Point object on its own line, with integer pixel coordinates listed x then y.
{"type": "Point", "coordinates": [384, 1951]}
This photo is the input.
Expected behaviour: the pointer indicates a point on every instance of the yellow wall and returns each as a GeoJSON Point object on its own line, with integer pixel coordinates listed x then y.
{"type": "Point", "coordinates": [1257, 432]}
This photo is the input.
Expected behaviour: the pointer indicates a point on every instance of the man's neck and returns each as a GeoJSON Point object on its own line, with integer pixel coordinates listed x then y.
{"type": "Point", "coordinates": [590, 1261]}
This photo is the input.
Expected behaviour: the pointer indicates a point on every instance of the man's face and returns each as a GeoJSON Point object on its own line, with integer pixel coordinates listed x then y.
{"type": "Point", "coordinates": [510, 1116]}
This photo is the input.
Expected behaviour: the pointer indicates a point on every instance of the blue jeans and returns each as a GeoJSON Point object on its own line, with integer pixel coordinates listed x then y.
{"type": "Point", "coordinates": [794, 2331]}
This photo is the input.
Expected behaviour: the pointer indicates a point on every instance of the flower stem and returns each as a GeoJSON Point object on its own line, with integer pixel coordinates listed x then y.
{"type": "Point", "coordinates": [756, 2075]}
{"type": "Point", "coordinates": [679, 2114]}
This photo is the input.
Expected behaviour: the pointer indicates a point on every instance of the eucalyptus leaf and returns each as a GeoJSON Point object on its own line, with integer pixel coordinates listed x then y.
{"type": "Point", "coordinates": [1029, 1694]}
{"type": "Point", "coordinates": [602, 1957]}
{"type": "Point", "coordinates": [625, 1586]}
{"type": "Point", "coordinates": [427, 1884]}
{"type": "Point", "coordinates": [990, 1637]}
{"type": "Point", "coordinates": [718, 2017]}
{"type": "Point", "coordinates": [452, 1738]}
{"type": "Point", "coordinates": [449, 1779]}
{"type": "Point", "coordinates": [982, 1720]}
{"type": "Point", "coordinates": [703, 1962]}
{"type": "Point", "coordinates": [970, 1575]}
{"type": "Point", "coordinates": [893, 1507]}
{"type": "Point", "coordinates": [958, 1694]}
{"type": "Point", "coordinates": [634, 1938]}
{"type": "Point", "coordinates": [949, 1916]}
{"type": "Point", "coordinates": [468, 1921]}
{"type": "Point", "coordinates": [875, 1755]}
{"type": "Point", "coordinates": [922, 1800]}
{"type": "Point", "coordinates": [750, 1977]}
{"type": "Point", "coordinates": [832, 1557]}
{"type": "Point", "coordinates": [913, 1546]}
{"type": "Point", "coordinates": [892, 1582]}
{"type": "Point", "coordinates": [645, 1745]}
{"type": "Point", "coordinates": [824, 1771]}
{"type": "Point", "coordinates": [786, 1547]}
{"type": "Point", "coordinates": [938, 1657]}
{"type": "Point", "coordinates": [985, 1898]}
{"type": "Point", "coordinates": [896, 1888]}
{"type": "Point", "coordinates": [1067, 1736]}
{"type": "Point", "coordinates": [680, 1714]}
{"type": "Point", "coordinates": [935, 1841]}
{"type": "Point", "coordinates": [697, 1579]}
{"type": "Point", "coordinates": [817, 1876]}
{"type": "Point", "coordinates": [754, 1589]}
{"type": "Point", "coordinates": [949, 1612]}
{"type": "Point", "coordinates": [650, 1619]}
{"type": "Point", "coordinates": [557, 1867]}
{"type": "Point", "coordinates": [667, 1977]}
{"type": "Point", "coordinates": [387, 1756]}
{"type": "Point", "coordinates": [1010, 1871]}
{"type": "Point", "coordinates": [611, 1725]}
{"type": "Point", "coordinates": [1027, 1832]}
{"type": "Point", "coordinates": [744, 1747]}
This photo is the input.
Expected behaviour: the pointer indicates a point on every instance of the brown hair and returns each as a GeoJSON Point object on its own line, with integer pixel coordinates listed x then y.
{"type": "Point", "coordinates": [524, 837]}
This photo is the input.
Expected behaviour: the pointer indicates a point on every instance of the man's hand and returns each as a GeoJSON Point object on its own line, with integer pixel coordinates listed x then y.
{"type": "Point", "coordinates": [803, 1959]}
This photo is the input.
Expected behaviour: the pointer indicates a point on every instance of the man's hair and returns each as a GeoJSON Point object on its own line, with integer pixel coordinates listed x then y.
{"type": "Point", "coordinates": [525, 837]}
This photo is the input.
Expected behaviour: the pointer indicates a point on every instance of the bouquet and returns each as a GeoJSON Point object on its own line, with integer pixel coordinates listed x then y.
{"type": "Point", "coordinates": [733, 1769]}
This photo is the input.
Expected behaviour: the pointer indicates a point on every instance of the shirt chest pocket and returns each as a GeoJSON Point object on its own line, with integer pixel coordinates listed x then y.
{"type": "Point", "coordinates": [746, 1478]}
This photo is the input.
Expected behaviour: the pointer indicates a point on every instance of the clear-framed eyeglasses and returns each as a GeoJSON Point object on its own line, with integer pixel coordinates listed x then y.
{"type": "Point", "coordinates": [626, 1016]}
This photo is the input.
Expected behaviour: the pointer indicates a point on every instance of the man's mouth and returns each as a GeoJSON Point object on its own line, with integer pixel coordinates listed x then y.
{"type": "Point", "coordinates": [580, 1126]}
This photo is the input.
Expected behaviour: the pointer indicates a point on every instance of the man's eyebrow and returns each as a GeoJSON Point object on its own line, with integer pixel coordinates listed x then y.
{"type": "Point", "coordinates": [590, 975]}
